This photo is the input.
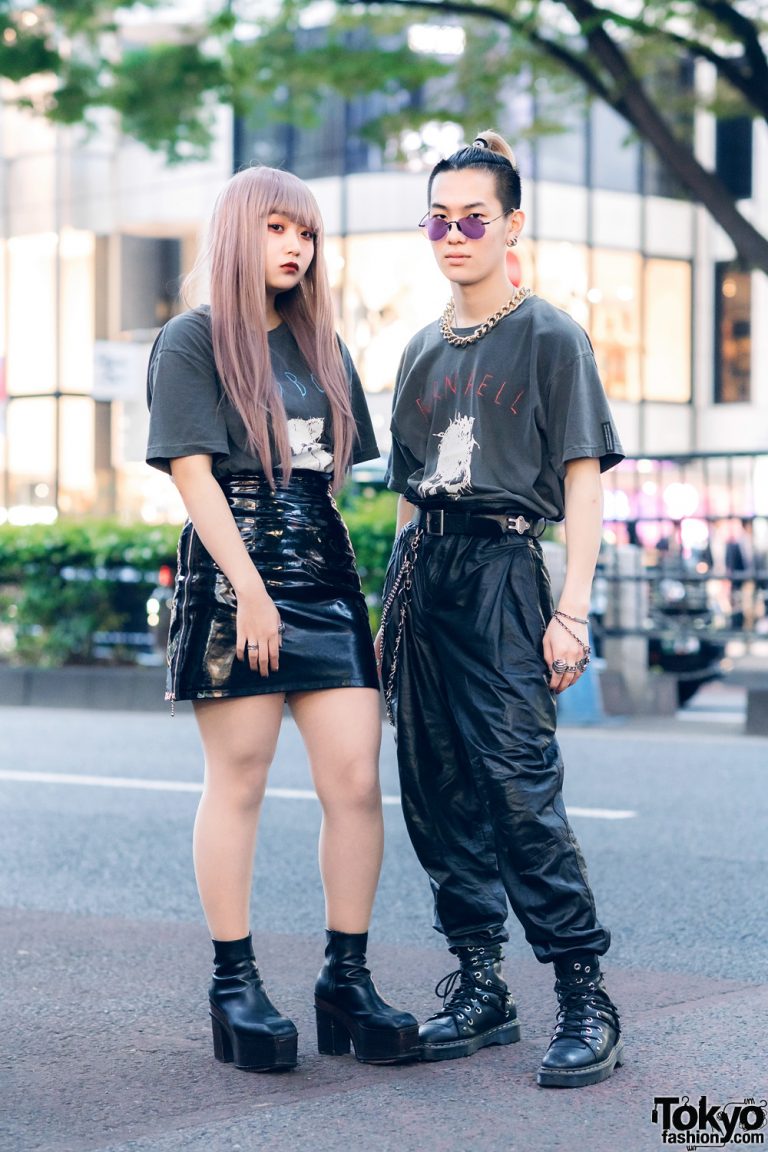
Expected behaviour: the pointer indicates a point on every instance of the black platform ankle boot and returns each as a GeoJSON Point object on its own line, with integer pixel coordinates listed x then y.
{"type": "Point", "coordinates": [247, 1028]}
{"type": "Point", "coordinates": [479, 1012]}
{"type": "Point", "coordinates": [348, 1006]}
{"type": "Point", "coordinates": [587, 1044]}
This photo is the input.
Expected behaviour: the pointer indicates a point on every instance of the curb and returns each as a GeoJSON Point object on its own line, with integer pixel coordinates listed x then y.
{"type": "Point", "coordinates": [125, 689]}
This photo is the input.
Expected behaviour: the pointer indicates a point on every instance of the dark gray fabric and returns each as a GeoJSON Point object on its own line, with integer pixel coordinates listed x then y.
{"type": "Point", "coordinates": [190, 414]}
{"type": "Point", "coordinates": [493, 424]}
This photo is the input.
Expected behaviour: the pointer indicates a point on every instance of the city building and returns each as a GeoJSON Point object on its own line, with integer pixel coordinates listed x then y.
{"type": "Point", "coordinates": [97, 234]}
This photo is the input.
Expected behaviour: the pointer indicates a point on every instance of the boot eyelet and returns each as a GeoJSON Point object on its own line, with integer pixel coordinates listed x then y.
{"type": "Point", "coordinates": [485, 999]}
{"type": "Point", "coordinates": [577, 967]}
{"type": "Point", "coordinates": [588, 1031]}
{"type": "Point", "coordinates": [587, 968]}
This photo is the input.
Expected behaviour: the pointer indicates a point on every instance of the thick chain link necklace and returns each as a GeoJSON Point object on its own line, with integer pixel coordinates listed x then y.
{"type": "Point", "coordinates": [448, 319]}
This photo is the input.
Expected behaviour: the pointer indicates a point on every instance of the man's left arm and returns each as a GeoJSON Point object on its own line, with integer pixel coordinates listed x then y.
{"type": "Point", "coordinates": [583, 534]}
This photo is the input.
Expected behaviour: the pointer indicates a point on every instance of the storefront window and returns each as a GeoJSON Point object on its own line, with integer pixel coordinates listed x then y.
{"type": "Point", "coordinates": [31, 425]}
{"type": "Point", "coordinates": [733, 335]}
{"type": "Point", "coordinates": [562, 277]}
{"type": "Point", "coordinates": [388, 287]}
{"type": "Point", "coordinates": [614, 325]}
{"type": "Point", "coordinates": [32, 314]}
{"type": "Point", "coordinates": [76, 324]}
{"type": "Point", "coordinates": [667, 331]}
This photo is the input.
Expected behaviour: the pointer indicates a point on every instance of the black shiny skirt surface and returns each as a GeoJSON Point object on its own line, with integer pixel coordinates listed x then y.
{"type": "Point", "coordinates": [301, 548]}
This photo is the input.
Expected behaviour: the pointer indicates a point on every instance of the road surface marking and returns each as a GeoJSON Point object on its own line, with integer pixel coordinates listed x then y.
{"type": "Point", "coordinates": [143, 785]}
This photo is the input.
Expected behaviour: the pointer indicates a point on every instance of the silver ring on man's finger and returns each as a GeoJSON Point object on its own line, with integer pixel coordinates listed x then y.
{"type": "Point", "coordinates": [559, 667]}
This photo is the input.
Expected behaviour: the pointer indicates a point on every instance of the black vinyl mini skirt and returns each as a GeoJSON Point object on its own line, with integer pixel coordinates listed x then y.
{"type": "Point", "coordinates": [301, 548]}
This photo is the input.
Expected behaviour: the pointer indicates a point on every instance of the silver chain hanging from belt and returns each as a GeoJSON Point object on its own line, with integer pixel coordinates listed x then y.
{"type": "Point", "coordinates": [402, 582]}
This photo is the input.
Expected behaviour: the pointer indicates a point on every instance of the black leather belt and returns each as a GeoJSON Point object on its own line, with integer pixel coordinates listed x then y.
{"type": "Point", "coordinates": [438, 522]}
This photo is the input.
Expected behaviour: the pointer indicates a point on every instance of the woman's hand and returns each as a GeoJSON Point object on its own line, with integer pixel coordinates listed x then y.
{"type": "Point", "coordinates": [258, 621]}
{"type": "Point", "coordinates": [563, 651]}
{"type": "Point", "coordinates": [259, 630]}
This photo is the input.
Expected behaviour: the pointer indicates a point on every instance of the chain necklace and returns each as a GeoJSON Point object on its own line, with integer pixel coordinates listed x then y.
{"type": "Point", "coordinates": [448, 319]}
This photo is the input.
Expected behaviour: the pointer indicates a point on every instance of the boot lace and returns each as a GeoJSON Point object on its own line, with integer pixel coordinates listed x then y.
{"type": "Point", "coordinates": [465, 1001]}
{"type": "Point", "coordinates": [583, 1011]}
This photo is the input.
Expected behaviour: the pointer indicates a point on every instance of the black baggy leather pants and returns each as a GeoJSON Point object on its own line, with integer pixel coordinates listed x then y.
{"type": "Point", "coordinates": [481, 771]}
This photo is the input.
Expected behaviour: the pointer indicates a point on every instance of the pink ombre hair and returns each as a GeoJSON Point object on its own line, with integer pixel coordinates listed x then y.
{"type": "Point", "coordinates": [236, 246]}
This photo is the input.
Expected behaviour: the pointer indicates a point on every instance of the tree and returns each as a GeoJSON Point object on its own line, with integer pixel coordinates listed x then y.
{"type": "Point", "coordinates": [166, 90]}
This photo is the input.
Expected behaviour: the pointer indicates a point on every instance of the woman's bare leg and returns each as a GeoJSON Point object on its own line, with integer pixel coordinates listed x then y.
{"type": "Point", "coordinates": [341, 729]}
{"type": "Point", "coordinates": [239, 738]}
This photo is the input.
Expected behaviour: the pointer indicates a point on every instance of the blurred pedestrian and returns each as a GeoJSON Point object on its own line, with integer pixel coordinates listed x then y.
{"type": "Point", "coordinates": [499, 424]}
{"type": "Point", "coordinates": [257, 412]}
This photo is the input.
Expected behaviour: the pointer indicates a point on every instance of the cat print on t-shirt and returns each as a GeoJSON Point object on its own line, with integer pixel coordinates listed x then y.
{"type": "Point", "coordinates": [452, 474]}
{"type": "Point", "coordinates": [307, 448]}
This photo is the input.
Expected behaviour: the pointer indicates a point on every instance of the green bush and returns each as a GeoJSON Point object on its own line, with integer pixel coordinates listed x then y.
{"type": "Point", "coordinates": [64, 584]}
{"type": "Point", "coordinates": [370, 517]}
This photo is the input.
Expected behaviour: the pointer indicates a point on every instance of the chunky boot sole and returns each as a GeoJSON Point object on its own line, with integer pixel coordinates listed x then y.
{"type": "Point", "coordinates": [508, 1033]}
{"type": "Point", "coordinates": [252, 1053]}
{"type": "Point", "coordinates": [336, 1029]}
{"type": "Point", "coordinates": [581, 1077]}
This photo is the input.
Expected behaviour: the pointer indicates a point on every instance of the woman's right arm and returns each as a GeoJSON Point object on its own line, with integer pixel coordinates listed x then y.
{"type": "Point", "coordinates": [405, 511]}
{"type": "Point", "coordinates": [258, 619]}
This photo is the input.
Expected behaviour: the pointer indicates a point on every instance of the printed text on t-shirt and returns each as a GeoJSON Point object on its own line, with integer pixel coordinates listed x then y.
{"type": "Point", "coordinates": [486, 388]}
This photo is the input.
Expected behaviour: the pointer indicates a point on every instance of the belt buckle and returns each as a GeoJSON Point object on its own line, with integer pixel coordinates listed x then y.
{"type": "Point", "coordinates": [435, 522]}
{"type": "Point", "coordinates": [518, 524]}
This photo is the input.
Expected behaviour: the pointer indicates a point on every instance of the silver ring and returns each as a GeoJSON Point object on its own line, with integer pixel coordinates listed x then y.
{"type": "Point", "coordinates": [559, 667]}
{"type": "Point", "coordinates": [281, 627]}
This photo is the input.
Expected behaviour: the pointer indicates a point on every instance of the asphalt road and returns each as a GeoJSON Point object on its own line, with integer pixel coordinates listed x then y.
{"type": "Point", "coordinates": [104, 1036]}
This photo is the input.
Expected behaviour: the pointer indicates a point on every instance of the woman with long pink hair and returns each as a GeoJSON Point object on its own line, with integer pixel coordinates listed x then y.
{"type": "Point", "coordinates": [257, 412]}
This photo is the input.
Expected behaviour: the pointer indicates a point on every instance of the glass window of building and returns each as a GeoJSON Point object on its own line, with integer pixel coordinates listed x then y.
{"type": "Point", "coordinates": [614, 156]}
{"type": "Point", "coordinates": [388, 287]}
{"type": "Point", "coordinates": [733, 335]}
{"type": "Point", "coordinates": [614, 321]}
{"type": "Point", "coordinates": [733, 152]}
{"type": "Point", "coordinates": [667, 331]}
{"type": "Point", "coordinates": [561, 277]}
{"type": "Point", "coordinates": [32, 314]}
{"type": "Point", "coordinates": [561, 155]}
{"type": "Point", "coordinates": [672, 88]}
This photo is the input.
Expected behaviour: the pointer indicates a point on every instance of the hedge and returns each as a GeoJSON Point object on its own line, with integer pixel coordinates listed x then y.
{"type": "Point", "coordinates": [75, 592]}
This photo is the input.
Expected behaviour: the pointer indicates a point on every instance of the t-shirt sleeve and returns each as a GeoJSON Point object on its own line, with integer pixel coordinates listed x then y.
{"type": "Point", "coordinates": [186, 416]}
{"type": "Point", "coordinates": [365, 446]}
{"type": "Point", "coordinates": [579, 421]}
{"type": "Point", "coordinates": [401, 463]}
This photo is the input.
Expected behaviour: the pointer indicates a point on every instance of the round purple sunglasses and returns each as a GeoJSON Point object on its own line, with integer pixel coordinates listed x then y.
{"type": "Point", "coordinates": [470, 226]}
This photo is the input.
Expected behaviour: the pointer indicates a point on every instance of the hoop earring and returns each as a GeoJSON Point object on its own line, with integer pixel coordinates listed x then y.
{"type": "Point", "coordinates": [511, 243]}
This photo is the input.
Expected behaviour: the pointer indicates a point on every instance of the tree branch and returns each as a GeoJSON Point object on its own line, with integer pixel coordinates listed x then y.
{"type": "Point", "coordinates": [562, 56]}
{"type": "Point", "coordinates": [747, 73]}
{"type": "Point", "coordinates": [633, 103]}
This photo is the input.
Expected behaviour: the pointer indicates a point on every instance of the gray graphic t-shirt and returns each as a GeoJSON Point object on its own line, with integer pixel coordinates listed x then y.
{"type": "Point", "coordinates": [492, 425]}
{"type": "Point", "coordinates": [190, 413]}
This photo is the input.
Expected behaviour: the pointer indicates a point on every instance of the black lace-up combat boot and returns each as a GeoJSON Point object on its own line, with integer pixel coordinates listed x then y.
{"type": "Point", "coordinates": [587, 1044]}
{"type": "Point", "coordinates": [349, 1007]}
{"type": "Point", "coordinates": [247, 1028]}
{"type": "Point", "coordinates": [477, 1013]}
